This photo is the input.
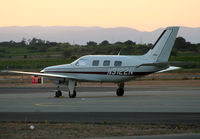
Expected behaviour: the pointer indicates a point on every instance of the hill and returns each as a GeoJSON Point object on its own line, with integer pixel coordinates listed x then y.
{"type": "Point", "coordinates": [81, 35]}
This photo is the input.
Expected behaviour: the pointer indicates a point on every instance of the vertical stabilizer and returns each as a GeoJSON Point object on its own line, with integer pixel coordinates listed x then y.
{"type": "Point", "coordinates": [162, 48]}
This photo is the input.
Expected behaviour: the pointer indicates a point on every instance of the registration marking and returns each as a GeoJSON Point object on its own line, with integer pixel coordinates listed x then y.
{"type": "Point", "coordinates": [120, 71]}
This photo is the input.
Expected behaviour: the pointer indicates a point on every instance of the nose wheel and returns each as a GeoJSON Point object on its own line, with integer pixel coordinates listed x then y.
{"type": "Point", "coordinates": [58, 93]}
{"type": "Point", "coordinates": [120, 90]}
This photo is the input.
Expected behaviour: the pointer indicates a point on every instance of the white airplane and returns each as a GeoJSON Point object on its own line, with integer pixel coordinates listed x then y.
{"type": "Point", "coordinates": [112, 68]}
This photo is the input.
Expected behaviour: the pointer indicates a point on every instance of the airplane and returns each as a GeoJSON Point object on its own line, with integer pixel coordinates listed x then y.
{"type": "Point", "coordinates": [111, 68]}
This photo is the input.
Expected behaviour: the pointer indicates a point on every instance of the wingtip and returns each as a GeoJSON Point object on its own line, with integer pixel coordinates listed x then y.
{"type": "Point", "coordinates": [5, 71]}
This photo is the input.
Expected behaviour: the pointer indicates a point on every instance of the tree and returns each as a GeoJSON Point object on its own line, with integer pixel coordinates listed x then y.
{"type": "Point", "coordinates": [91, 43]}
{"type": "Point", "coordinates": [129, 43]}
{"type": "Point", "coordinates": [104, 43]}
{"type": "Point", "coordinates": [119, 43]}
{"type": "Point", "coordinates": [33, 41]}
{"type": "Point", "coordinates": [23, 42]}
{"type": "Point", "coordinates": [67, 53]}
{"type": "Point", "coordinates": [73, 57]}
{"type": "Point", "coordinates": [36, 42]}
{"type": "Point", "coordinates": [180, 44]}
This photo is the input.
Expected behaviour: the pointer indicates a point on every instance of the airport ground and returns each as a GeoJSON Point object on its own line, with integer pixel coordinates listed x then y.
{"type": "Point", "coordinates": [88, 130]}
{"type": "Point", "coordinates": [149, 107]}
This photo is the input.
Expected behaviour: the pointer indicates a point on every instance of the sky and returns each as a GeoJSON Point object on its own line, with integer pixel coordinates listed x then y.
{"type": "Point", "coordinates": [144, 15]}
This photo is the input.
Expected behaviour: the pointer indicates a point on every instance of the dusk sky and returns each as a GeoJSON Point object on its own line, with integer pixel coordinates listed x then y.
{"type": "Point", "coordinates": [144, 15]}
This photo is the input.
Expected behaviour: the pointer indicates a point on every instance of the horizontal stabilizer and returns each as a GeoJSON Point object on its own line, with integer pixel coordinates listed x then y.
{"type": "Point", "coordinates": [169, 69]}
{"type": "Point", "coordinates": [159, 64]}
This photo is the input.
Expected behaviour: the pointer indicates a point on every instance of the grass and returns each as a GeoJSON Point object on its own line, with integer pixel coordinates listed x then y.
{"type": "Point", "coordinates": [11, 52]}
{"type": "Point", "coordinates": [21, 58]}
{"type": "Point", "coordinates": [31, 63]}
{"type": "Point", "coordinates": [82, 130]}
{"type": "Point", "coordinates": [186, 57]}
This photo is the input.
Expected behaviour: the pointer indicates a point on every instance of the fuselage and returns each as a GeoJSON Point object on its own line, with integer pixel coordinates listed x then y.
{"type": "Point", "coordinates": [104, 68]}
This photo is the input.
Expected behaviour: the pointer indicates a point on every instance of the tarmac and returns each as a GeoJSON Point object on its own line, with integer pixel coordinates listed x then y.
{"type": "Point", "coordinates": [141, 104]}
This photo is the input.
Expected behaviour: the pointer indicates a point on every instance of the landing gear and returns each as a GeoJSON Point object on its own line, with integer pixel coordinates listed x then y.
{"type": "Point", "coordinates": [72, 95]}
{"type": "Point", "coordinates": [58, 92]}
{"type": "Point", "coordinates": [120, 90]}
{"type": "Point", "coordinates": [71, 86]}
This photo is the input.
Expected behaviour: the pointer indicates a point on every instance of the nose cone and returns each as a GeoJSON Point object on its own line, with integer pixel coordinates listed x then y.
{"type": "Point", "coordinates": [56, 68]}
{"type": "Point", "coordinates": [42, 71]}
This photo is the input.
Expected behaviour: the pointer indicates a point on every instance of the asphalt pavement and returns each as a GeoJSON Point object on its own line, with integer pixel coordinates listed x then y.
{"type": "Point", "coordinates": [97, 104]}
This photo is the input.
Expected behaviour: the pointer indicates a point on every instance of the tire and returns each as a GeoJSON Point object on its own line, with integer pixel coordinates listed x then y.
{"type": "Point", "coordinates": [73, 95]}
{"type": "Point", "coordinates": [58, 93]}
{"type": "Point", "coordinates": [120, 92]}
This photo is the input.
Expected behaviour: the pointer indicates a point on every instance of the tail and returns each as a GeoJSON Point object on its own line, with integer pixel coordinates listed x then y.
{"type": "Point", "coordinates": [162, 48]}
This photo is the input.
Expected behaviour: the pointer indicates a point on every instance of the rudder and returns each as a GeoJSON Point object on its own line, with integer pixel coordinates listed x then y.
{"type": "Point", "coordinates": [162, 48]}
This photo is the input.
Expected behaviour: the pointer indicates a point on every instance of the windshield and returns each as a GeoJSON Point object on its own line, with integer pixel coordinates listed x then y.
{"type": "Point", "coordinates": [81, 62]}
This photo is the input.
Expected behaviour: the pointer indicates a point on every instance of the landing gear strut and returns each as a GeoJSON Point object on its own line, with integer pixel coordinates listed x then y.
{"type": "Point", "coordinates": [58, 92]}
{"type": "Point", "coordinates": [120, 90]}
{"type": "Point", "coordinates": [71, 86]}
{"type": "Point", "coordinates": [72, 95]}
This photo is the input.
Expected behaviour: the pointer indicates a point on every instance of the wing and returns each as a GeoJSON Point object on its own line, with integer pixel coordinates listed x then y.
{"type": "Point", "coordinates": [42, 74]}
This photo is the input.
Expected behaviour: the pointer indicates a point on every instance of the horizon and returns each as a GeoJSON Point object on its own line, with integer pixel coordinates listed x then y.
{"type": "Point", "coordinates": [97, 27]}
{"type": "Point", "coordinates": [142, 15]}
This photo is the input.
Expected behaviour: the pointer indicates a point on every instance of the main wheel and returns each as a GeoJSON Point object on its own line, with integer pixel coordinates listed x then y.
{"type": "Point", "coordinates": [58, 93]}
{"type": "Point", "coordinates": [120, 92]}
{"type": "Point", "coordinates": [73, 95]}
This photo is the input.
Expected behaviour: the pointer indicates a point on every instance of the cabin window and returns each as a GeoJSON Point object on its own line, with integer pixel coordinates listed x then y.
{"type": "Point", "coordinates": [106, 63]}
{"type": "Point", "coordinates": [117, 63]}
{"type": "Point", "coordinates": [95, 63]}
{"type": "Point", "coordinates": [81, 62]}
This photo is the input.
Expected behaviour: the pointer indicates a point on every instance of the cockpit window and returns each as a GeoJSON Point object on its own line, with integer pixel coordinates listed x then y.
{"type": "Point", "coordinates": [117, 63]}
{"type": "Point", "coordinates": [95, 63]}
{"type": "Point", "coordinates": [81, 62]}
